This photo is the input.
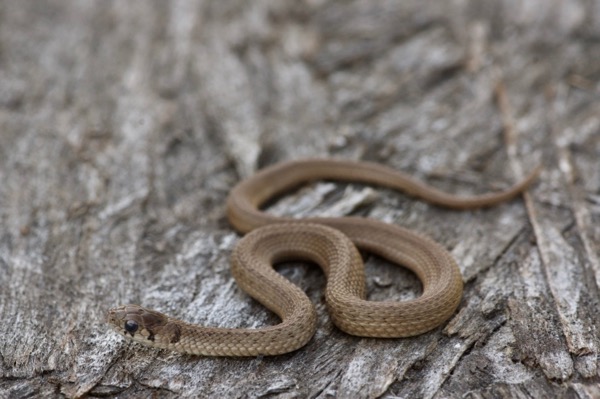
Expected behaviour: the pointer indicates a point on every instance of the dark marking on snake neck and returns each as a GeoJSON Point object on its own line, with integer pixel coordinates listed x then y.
{"type": "Point", "coordinates": [176, 334]}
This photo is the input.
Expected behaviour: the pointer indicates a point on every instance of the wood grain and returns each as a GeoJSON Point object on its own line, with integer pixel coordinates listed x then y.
{"type": "Point", "coordinates": [123, 126]}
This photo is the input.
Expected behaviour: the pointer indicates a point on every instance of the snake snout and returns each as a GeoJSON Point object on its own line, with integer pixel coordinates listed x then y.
{"type": "Point", "coordinates": [125, 319]}
{"type": "Point", "coordinates": [116, 317]}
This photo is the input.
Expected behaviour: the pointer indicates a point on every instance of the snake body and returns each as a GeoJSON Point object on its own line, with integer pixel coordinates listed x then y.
{"type": "Point", "coordinates": [330, 243]}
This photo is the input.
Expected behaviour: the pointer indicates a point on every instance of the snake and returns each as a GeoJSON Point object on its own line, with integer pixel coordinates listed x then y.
{"type": "Point", "coordinates": [332, 243]}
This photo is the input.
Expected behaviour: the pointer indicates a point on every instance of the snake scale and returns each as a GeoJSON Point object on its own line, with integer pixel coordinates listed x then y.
{"type": "Point", "coordinates": [330, 243]}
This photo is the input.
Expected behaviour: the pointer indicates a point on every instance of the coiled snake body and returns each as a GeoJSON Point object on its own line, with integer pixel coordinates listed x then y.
{"type": "Point", "coordinates": [330, 243]}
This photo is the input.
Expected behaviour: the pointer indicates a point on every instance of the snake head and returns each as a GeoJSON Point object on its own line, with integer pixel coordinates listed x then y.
{"type": "Point", "coordinates": [143, 325]}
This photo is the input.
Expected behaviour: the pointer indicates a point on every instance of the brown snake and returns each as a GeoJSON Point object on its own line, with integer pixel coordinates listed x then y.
{"type": "Point", "coordinates": [330, 243]}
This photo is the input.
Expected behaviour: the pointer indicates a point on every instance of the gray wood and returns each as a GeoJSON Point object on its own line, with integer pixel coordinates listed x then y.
{"type": "Point", "coordinates": [123, 125]}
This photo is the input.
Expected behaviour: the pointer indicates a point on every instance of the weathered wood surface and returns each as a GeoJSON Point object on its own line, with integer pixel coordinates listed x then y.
{"type": "Point", "coordinates": [123, 125]}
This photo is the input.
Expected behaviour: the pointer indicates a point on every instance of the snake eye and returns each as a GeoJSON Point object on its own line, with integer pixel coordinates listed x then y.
{"type": "Point", "coordinates": [131, 327]}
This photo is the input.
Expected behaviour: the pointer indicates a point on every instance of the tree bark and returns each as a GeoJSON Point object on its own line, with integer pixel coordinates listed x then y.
{"type": "Point", "coordinates": [125, 124]}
